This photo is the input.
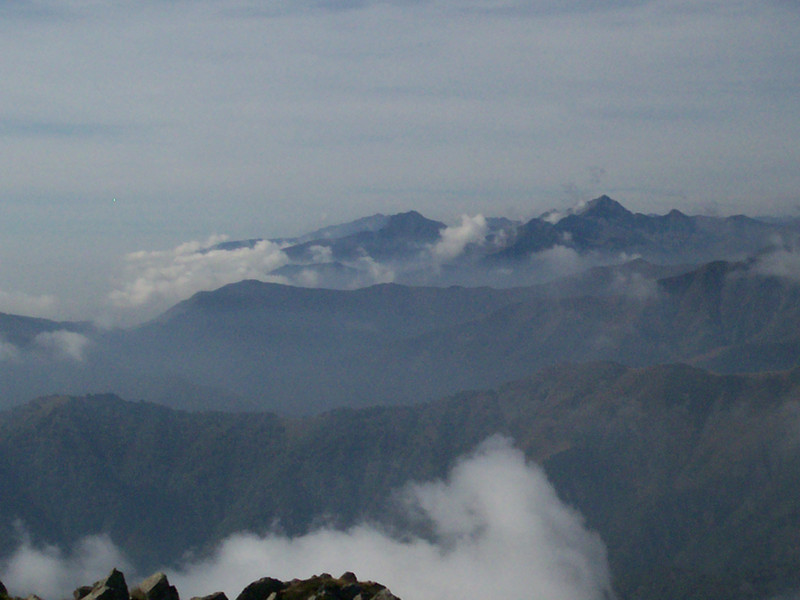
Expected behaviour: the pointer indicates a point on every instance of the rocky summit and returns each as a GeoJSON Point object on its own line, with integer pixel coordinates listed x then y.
{"type": "Point", "coordinates": [157, 587]}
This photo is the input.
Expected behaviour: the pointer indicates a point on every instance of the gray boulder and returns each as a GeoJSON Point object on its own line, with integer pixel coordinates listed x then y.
{"type": "Point", "coordinates": [82, 592]}
{"type": "Point", "coordinates": [155, 587]}
{"type": "Point", "coordinates": [261, 589]}
{"type": "Point", "coordinates": [214, 596]}
{"type": "Point", "coordinates": [112, 587]}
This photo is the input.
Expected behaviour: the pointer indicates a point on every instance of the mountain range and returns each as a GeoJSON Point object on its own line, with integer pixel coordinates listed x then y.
{"type": "Point", "coordinates": [649, 363]}
{"type": "Point", "coordinates": [690, 478]}
{"type": "Point", "coordinates": [411, 249]}
{"type": "Point", "coordinates": [263, 346]}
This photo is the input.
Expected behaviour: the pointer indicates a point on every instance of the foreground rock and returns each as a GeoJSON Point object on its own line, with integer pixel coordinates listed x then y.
{"type": "Point", "coordinates": [112, 587]}
{"type": "Point", "coordinates": [157, 587]}
{"type": "Point", "coordinates": [318, 587]}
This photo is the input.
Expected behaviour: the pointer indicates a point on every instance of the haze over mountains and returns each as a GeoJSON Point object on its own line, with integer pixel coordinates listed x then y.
{"type": "Point", "coordinates": [314, 381]}
{"type": "Point", "coordinates": [414, 250]}
{"type": "Point", "coordinates": [633, 296]}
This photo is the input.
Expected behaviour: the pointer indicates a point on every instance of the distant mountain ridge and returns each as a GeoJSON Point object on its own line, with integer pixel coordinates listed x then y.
{"type": "Point", "coordinates": [603, 225]}
{"type": "Point", "coordinates": [398, 237]}
{"type": "Point", "coordinates": [262, 346]}
{"type": "Point", "coordinates": [601, 230]}
{"type": "Point", "coordinates": [653, 368]}
{"type": "Point", "coordinates": [399, 344]}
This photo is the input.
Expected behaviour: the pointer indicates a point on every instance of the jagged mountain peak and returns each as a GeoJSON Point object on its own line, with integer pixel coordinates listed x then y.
{"type": "Point", "coordinates": [412, 223]}
{"type": "Point", "coordinates": [603, 207]}
{"type": "Point", "coordinates": [410, 219]}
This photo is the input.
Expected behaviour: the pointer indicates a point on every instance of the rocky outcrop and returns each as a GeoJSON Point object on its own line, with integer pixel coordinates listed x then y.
{"type": "Point", "coordinates": [318, 587]}
{"type": "Point", "coordinates": [261, 589]}
{"type": "Point", "coordinates": [112, 587]}
{"type": "Point", "coordinates": [157, 587]}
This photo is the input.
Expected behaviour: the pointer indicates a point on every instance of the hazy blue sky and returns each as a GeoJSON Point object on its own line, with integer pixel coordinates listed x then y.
{"type": "Point", "coordinates": [271, 118]}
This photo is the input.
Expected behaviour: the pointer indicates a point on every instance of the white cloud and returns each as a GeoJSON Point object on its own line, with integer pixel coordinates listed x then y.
{"type": "Point", "coordinates": [63, 344]}
{"type": "Point", "coordinates": [499, 531]}
{"type": "Point", "coordinates": [471, 230]}
{"type": "Point", "coordinates": [49, 573]}
{"type": "Point", "coordinates": [321, 254]}
{"type": "Point", "coordinates": [18, 303]}
{"type": "Point", "coordinates": [8, 351]}
{"type": "Point", "coordinates": [558, 261]}
{"type": "Point", "coordinates": [255, 119]}
{"type": "Point", "coordinates": [634, 285]}
{"type": "Point", "coordinates": [780, 263]}
{"type": "Point", "coordinates": [372, 272]}
{"type": "Point", "coordinates": [161, 278]}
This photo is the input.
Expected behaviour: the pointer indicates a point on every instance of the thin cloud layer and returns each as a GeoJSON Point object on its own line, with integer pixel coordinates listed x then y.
{"type": "Point", "coordinates": [499, 530]}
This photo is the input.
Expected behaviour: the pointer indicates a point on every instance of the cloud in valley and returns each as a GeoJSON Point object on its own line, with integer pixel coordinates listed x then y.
{"type": "Point", "coordinates": [8, 351]}
{"type": "Point", "coordinates": [558, 261]}
{"type": "Point", "coordinates": [783, 263]}
{"type": "Point", "coordinates": [499, 530]}
{"type": "Point", "coordinates": [634, 285]}
{"type": "Point", "coordinates": [63, 344]}
{"type": "Point", "coordinates": [51, 574]}
{"type": "Point", "coordinates": [454, 239]}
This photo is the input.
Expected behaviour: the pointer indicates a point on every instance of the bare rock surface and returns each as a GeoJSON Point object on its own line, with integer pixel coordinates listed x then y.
{"type": "Point", "coordinates": [157, 587]}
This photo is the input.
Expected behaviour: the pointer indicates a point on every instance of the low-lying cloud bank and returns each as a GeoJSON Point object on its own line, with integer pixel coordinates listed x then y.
{"type": "Point", "coordinates": [162, 278]}
{"type": "Point", "coordinates": [48, 345]}
{"type": "Point", "coordinates": [63, 344]}
{"type": "Point", "coordinates": [499, 530]}
{"type": "Point", "coordinates": [783, 263]}
{"type": "Point", "coordinates": [51, 574]}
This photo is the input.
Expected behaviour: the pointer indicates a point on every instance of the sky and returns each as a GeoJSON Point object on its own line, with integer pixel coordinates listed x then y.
{"type": "Point", "coordinates": [130, 127]}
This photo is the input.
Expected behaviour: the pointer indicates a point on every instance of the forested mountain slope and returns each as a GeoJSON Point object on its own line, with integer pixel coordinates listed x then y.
{"type": "Point", "coordinates": [690, 478]}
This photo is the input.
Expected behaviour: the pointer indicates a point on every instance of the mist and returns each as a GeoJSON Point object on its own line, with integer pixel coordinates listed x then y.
{"type": "Point", "coordinates": [154, 280]}
{"type": "Point", "coordinates": [50, 573]}
{"type": "Point", "coordinates": [497, 528]}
